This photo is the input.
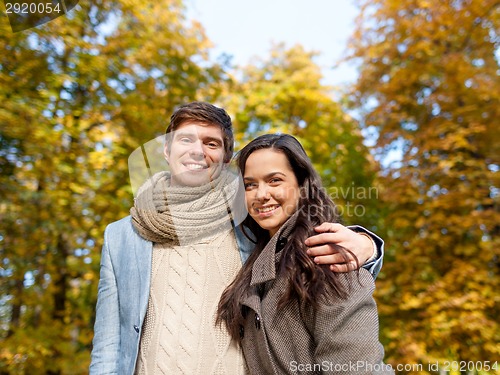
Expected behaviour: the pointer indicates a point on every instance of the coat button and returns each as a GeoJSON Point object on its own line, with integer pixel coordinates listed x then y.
{"type": "Point", "coordinates": [244, 311]}
{"type": "Point", "coordinates": [136, 329]}
{"type": "Point", "coordinates": [281, 244]}
{"type": "Point", "coordinates": [261, 290]}
{"type": "Point", "coordinates": [257, 321]}
{"type": "Point", "coordinates": [242, 332]}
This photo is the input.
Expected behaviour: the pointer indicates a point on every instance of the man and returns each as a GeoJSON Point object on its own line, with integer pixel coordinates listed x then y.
{"type": "Point", "coordinates": [163, 269]}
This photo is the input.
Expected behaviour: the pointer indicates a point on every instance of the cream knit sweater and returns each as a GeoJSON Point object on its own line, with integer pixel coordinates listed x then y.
{"type": "Point", "coordinates": [179, 335]}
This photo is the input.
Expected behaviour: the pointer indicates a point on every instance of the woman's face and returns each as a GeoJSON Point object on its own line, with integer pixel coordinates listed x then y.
{"type": "Point", "coordinates": [271, 189]}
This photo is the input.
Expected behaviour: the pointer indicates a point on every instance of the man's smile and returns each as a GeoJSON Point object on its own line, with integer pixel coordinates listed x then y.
{"type": "Point", "coordinates": [194, 166]}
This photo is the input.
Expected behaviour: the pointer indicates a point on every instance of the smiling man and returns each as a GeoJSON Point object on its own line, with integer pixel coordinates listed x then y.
{"type": "Point", "coordinates": [195, 154]}
{"type": "Point", "coordinates": [164, 267]}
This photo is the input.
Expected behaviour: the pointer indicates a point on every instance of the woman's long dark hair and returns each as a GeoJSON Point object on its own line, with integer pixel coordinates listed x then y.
{"type": "Point", "coordinates": [307, 282]}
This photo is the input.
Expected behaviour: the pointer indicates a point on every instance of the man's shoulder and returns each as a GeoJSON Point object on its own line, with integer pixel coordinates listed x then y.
{"type": "Point", "coordinates": [124, 224]}
{"type": "Point", "coordinates": [245, 245]}
{"type": "Point", "coordinates": [122, 232]}
{"type": "Point", "coordinates": [123, 247]}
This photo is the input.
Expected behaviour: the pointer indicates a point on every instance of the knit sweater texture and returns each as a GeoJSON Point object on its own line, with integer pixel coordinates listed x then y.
{"type": "Point", "coordinates": [189, 274]}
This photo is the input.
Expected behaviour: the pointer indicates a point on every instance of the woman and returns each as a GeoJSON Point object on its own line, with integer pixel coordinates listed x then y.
{"type": "Point", "coordinates": [288, 317]}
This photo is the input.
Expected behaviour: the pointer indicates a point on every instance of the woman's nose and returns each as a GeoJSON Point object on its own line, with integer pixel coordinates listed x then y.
{"type": "Point", "coordinates": [262, 192]}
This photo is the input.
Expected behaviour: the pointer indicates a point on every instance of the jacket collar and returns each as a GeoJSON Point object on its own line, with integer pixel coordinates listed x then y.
{"type": "Point", "coordinates": [264, 267]}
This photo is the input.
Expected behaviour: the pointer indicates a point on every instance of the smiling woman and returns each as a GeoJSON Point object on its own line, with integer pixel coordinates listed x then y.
{"type": "Point", "coordinates": [282, 308]}
{"type": "Point", "coordinates": [272, 191]}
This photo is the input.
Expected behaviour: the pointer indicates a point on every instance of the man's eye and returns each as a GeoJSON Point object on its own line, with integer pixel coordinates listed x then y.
{"type": "Point", "coordinates": [185, 140]}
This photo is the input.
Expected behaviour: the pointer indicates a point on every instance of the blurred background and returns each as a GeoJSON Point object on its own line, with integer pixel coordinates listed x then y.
{"type": "Point", "coordinates": [395, 102]}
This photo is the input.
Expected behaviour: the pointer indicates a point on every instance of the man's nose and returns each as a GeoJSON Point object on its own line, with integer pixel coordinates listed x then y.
{"type": "Point", "coordinates": [197, 150]}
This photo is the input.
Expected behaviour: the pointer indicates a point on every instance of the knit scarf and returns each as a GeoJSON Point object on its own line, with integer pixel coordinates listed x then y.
{"type": "Point", "coordinates": [180, 215]}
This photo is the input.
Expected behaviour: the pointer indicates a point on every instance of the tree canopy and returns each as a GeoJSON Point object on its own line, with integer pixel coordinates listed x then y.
{"type": "Point", "coordinates": [429, 87]}
{"type": "Point", "coordinates": [78, 95]}
{"type": "Point", "coordinates": [81, 92]}
{"type": "Point", "coordinates": [284, 93]}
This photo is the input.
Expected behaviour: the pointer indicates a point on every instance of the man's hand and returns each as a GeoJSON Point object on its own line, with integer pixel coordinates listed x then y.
{"type": "Point", "coordinates": [323, 253]}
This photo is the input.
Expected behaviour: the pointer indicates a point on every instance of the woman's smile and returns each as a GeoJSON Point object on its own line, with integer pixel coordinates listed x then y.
{"type": "Point", "coordinates": [271, 189]}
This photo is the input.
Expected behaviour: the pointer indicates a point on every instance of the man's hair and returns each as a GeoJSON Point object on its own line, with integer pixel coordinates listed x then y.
{"type": "Point", "coordinates": [207, 114]}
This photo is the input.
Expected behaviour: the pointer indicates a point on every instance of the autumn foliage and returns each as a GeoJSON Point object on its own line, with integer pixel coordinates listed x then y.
{"type": "Point", "coordinates": [78, 94]}
{"type": "Point", "coordinates": [429, 86]}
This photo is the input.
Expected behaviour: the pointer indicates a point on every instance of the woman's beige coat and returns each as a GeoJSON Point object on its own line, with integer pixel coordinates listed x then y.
{"type": "Point", "coordinates": [340, 336]}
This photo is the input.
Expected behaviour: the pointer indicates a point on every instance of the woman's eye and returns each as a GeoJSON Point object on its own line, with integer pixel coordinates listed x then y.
{"type": "Point", "coordinates": [213, 145]}
{"type": "Point", "coordinates": [249, 185]}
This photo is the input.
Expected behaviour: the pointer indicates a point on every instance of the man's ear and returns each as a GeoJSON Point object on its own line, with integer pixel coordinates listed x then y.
{"type": "Point", "coordinates": [166, 152]}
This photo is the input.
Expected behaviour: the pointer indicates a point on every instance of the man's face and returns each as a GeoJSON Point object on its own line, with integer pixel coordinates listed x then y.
{"type": "Point", "coordinates": [196, 154]}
